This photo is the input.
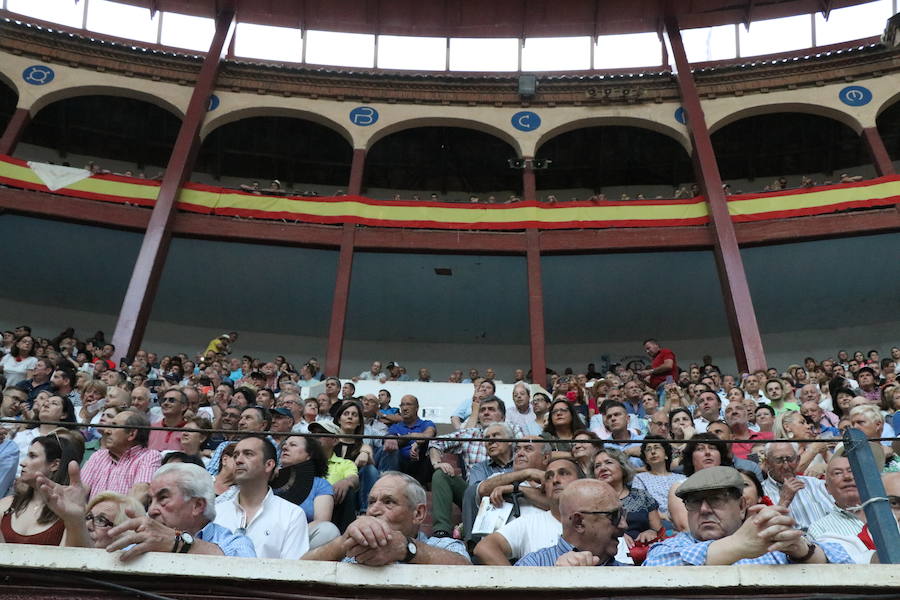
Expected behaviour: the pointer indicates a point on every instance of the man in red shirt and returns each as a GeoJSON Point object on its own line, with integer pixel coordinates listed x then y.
{"type": "Point", "coordinates": [662, 364]}
{"type": "Point", "coordinates": [173, 405]}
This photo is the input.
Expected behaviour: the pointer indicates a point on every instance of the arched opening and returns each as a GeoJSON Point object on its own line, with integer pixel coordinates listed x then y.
{"type": "Point", "coordinates": [754, 151]}
{"type": "Point", "coordinates": [616, 161]}
{"type": "Point", "coordinates": [305, 157]}
{"type": "Point", "coordinates": [8, 101]}
{"type": "Point", "coordinates": [888, 123]}
{"type": "Point", "coordinates": [120, 134]}
{"type": "Point", "coordinates": [452, 162]}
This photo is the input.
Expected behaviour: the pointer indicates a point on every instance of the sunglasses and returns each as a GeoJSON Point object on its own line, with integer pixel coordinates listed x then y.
{"type": "Point", "coordinates": [714, 501]}
{"type": "Point", "coordinates": [615, 516]}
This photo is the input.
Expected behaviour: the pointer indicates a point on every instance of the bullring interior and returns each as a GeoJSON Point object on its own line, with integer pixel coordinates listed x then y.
{"type": "Point", "coordinates": [401, 238]}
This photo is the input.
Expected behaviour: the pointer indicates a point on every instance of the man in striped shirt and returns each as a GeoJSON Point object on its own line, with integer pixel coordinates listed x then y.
{"type": "Point", "coordinates": [806, 497]}
{"type": "Point", "coordinates": [847, 519]}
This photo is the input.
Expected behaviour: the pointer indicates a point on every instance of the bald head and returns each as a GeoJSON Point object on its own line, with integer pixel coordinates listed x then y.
{"type": "Point", "coordinates": [586, 494]}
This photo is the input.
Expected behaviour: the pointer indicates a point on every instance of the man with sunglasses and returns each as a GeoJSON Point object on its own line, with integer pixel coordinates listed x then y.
{"type": "Point", "coordinates": [593, 520]}
{"type": "Point", "coordinates": [724, 530]}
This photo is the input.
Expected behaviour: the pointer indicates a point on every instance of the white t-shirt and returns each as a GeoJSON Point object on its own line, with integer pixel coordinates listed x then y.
{"type": "Point", "coordinates": [16, 371]}
{"type": "Point", "coordinates": [532, 532]}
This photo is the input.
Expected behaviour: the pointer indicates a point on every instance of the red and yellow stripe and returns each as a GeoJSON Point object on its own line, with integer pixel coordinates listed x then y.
{"type": "Point", "coordinates": [439, 215]}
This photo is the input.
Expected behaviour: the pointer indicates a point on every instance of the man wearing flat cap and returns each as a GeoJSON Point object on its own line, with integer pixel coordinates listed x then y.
{"type": "Point", "coordinates": [724, 530]}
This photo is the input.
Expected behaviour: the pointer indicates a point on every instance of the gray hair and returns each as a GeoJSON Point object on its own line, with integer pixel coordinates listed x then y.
{"type": "Point", "coordinates": [794, 445]}
{"type": "Point", "coordinates": [524, 385]}
{"type": "Point", "coordinates": [505, 430]}
{"type": "Point", "coordinates": [194, 482]}
{"type": "Point", "coordinates": [415, 493]}
{"type": "Point", "coordinates": [620, 457]}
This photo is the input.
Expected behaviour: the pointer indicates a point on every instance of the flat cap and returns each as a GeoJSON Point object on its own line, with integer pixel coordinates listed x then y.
{"type": "Point", "coordinates": [711, 478]}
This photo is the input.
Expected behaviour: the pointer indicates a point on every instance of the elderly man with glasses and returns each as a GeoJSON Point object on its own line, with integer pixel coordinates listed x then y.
{"type": "Point", "coordinates": [724, 530]}
{"type": "Point", "coordinates": [593, 520]}
{"type": "Point", "coordinates": [806, 497]}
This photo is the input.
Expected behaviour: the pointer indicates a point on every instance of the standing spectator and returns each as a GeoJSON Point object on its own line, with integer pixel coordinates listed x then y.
{"type": "Point", "coordinates": [662, 366]}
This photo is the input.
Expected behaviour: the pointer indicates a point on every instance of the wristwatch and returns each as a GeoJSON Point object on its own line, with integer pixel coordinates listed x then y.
{"type": "Point", "coordinates": [411, 550]}
{"type": "Point", "coordinates": [809, 553]}
{"type": "Point", "coordinates": [185, 540]}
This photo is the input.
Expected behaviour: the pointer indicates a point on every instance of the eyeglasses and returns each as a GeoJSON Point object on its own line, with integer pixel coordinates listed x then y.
{"type": "Point", "coordinates": [714, 501]}
{"type": "Point", "coordinates": [783, 460]}
{"type": "Point", "coordinates": [171, 399]}
{"type": "Point", "coordinates": [615, 516]}
{"type": "Point", "coordinates": [98, 521]}
{"type": "Point", "coordinates": [559, 411]}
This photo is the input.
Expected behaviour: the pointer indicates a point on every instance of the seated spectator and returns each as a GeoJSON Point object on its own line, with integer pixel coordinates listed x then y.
{"type": "Point", "coordinates": [174, 403]}
{"type": "Point", "coordinates": [721, 430]}
{"type": "Point", "coordinates": [124, 461]}
{"type": "Point", "coordinates": [778, 398]}
{"type": "Point", "coordinates": [723, 530]}
{"type": "Point", "coordinates": [182, 509]}
{"type": "Point", "coordinates": [593, 520]}
{"type": "Point", "coordinates": [611, 466]}
{"type": "Point", "coordinates": [408, 454]}
{"type": "Point", "coordinates": [105, 511]}
{"type": "Point", "coordinates": [276, 527]}
{"type": "Point", "coordinates": [738, 422]}
{"type": "Point", "coordinates": [349, 418]}
{"type": "Point", "coordinates": [658, 479]}
{"type": "Point", "coordinates": [301, 480]}
{"type": "Point", "coordinates": [846, 519]}
{"type": "Point", "coordinates": [39, 380]}
{"type": "Point", "coordinates": [28, 518]}
{"type": "Point", "coordinates": [536, 530]}
{"type": "Point", "coordinates": [562, 425]}
{"type": "Point", "coordinates": [616, 420]}
{"type": "Point", "coordinates": [447, 487]}
{"type": "Point", "coordinates": [523, 414]}
{"type": "Point", "coordinates": [806, 497]}
{"type": "Point", "coordinates": [193, 439]}
{"type": "Point", "coordinates": [466, 414]}
{"type": "Point", "coordinates": [390, 530]}
{"type": "Point", "coordinates": [765, 419]}
{"type": "Point", "coordinates": [343, 475]}
{"type": "Point", "coordinates": [705, 450]}
{"type": "Point", "coordinates": [523, 484]}
{"type": "Point", "coordinates": [585, 446]}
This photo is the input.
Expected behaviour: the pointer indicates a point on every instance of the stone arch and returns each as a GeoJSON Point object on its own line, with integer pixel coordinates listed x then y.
{"type": "Point", "coordinates": [103, 90]}
{"type": "Point", "coordinates": [788, 107]}
{"type": "Point", "coordinates": [600, 121]}
{"type": "Point", "coordinates": [214, 122]}
{"type": "Point", "coordinates": [444, 122]}
{"type": "Point", "coordinates": [891, 101]}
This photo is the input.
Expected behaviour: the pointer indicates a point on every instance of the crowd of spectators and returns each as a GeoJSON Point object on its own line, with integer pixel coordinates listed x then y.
{"type": "Point", "coordinates": [636, 465]}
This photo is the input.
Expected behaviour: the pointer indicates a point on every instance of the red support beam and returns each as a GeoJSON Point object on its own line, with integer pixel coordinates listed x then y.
{"type": "Point", "coordinates": [529, 191]}
{"type": "Point", "coordinates": [357, 168]}
{"type": "Point", "coordinates": [14, 130]}
{"type": "Point", "coordinates": [536, 306]}
{"type": "Point", "coordinates": [880, 157]}
{"type": "Point", "coordinates": [745, 337]}
{"type": "Point", "coordinates": [344, 269]}
{"type": "Point", "coordinates": [138, 302]}
{"type": "Point", "coordinates": [339, 303]}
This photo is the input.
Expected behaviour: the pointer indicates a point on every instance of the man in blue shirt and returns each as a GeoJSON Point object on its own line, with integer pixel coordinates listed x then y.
{"type": "Point", "coordinates": [408, 454]}
{"type": "Point", "coordinates": [725, 531]}
{"type": "Point", "coordinates": [9, 460]}
{"type": "Point", "coordinates": [593, 520]}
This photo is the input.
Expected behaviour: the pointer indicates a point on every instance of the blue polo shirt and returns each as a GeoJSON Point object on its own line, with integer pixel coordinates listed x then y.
{"type": "Point", "coordinates": [402, 429]}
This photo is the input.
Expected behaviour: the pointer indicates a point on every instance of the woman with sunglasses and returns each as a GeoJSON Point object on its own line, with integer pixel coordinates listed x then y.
{"type": "Point", "coordinates": [814, 455]}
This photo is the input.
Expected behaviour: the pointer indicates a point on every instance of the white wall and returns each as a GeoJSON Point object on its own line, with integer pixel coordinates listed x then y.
{"type": "Point", "coordinates": [167, 338]}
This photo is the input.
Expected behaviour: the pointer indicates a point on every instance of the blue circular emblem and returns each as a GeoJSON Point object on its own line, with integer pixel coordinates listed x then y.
{"type": "Point", "coordinates": [526, 120]}
{"type": "Point", "coordinates": [38, 75]}
{"type": "Point", "coordinates": [363, 116]}
{"type": "Point", "coordinates": [213, 102]}
{"type": "Point", "coordinates": [680, 116]}
{"type": "Point", "coordinates": [855, 95]}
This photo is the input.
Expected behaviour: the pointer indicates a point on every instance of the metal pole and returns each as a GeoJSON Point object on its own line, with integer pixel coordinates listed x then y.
{"type": "Point", "coordinates": [880, 518]}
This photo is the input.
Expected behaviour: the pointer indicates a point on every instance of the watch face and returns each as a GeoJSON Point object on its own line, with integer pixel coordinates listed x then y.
{"type": "Point", "coordinates": [187, 538]}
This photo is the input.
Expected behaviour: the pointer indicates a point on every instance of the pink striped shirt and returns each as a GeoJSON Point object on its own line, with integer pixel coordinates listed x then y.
{"type": "Point", "coordinates": [104, 473]}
